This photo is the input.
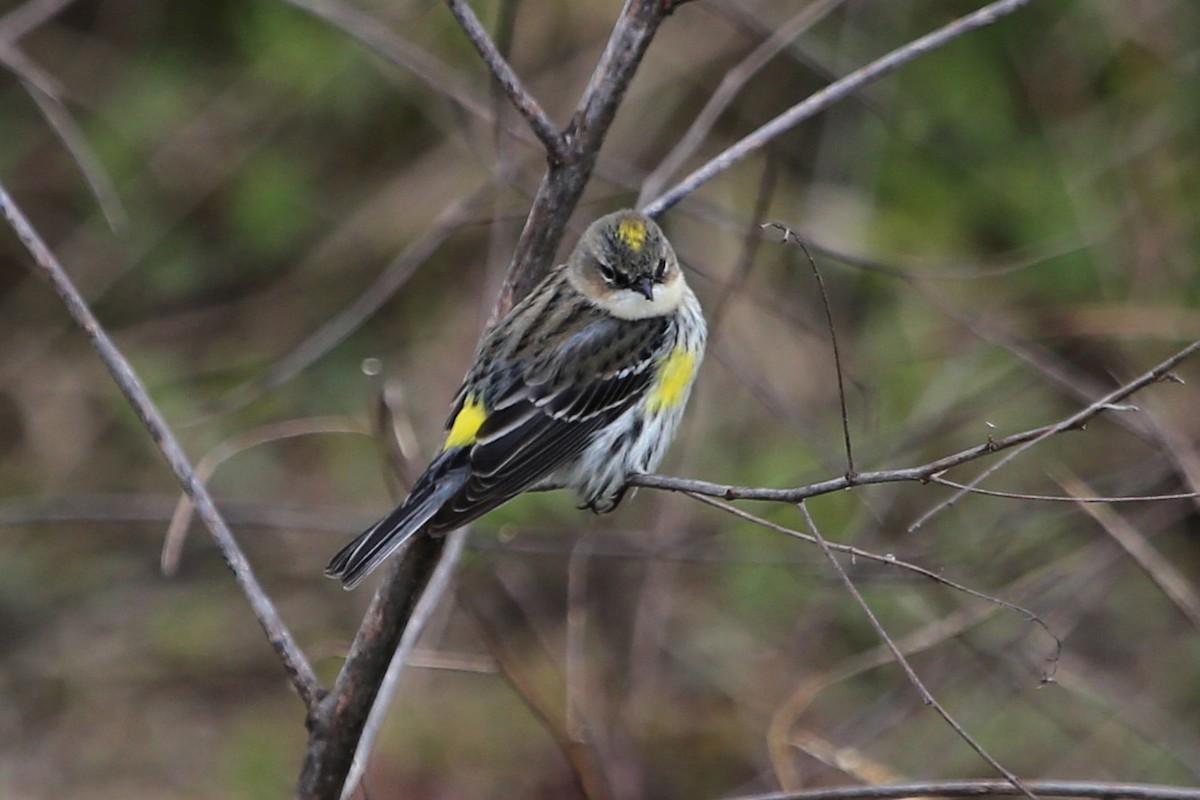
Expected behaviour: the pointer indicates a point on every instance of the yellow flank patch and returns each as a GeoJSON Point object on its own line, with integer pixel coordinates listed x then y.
{"type": "Point", "coordinates": [674, 377]}
{"type": "Point", "coordinates": [632, 231]}
{"type": "Point", "coordinates": [466, 423]}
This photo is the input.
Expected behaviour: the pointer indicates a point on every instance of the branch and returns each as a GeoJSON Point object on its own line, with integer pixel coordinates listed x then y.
{"type": "Point", "coordinates": [522, 99]}
{"type": "Point", "coordinates": [337, 725]}
{"type": "Point", "coordinates": [925, 472]}
{"type": "Point", "coordinates": [294, 662]}
{"type": "Point", "coordinates": [834, 92]}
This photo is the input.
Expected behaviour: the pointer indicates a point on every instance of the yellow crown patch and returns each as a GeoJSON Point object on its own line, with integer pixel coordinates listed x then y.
{"type": "Point", "coordinates": [632, 231]}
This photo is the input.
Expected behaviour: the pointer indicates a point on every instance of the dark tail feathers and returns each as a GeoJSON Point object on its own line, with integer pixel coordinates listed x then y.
{"type": "Point", "coordinates": [356, 560]}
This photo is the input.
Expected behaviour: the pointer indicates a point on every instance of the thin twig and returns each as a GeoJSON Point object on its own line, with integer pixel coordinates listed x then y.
{"type": "Point", "coordinates": [1054, 498]}
{"type": "Point", "coordinates": [294, 661]}
{"type": "Point", "coordinates": [522, 99]}
{"type": "Point", "coordinates": [928, 636]}
{"type": "Point", "coordinates": [926, 696]}
{"type": "Point", "coordinates": [831, 94]}
{"type": "Point", "coordinates": [981, 788]}
{"type": "Point", "coordinates": [837, 356]}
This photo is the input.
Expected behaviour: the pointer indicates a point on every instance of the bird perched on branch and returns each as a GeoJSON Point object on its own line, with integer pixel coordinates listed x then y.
{"type": "Point", "coordinates": [581, 385]}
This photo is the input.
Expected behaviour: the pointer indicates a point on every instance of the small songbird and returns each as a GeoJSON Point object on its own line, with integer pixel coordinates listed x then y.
{"type": "Point", "coordinates": [581, 385]}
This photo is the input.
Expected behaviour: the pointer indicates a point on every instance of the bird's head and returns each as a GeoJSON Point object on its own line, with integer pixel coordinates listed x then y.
{"type": "Point", "coordinates": [624, 264]}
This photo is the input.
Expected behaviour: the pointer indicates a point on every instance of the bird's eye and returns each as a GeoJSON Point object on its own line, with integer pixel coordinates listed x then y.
{"type": "Point", "coordinates": [660, 271]}
{"type": "Point", "coordinates": [607, 272]}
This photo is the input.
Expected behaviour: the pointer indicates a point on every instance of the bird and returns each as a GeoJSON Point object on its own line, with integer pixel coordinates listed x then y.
{"type": "Point", "coordinates": [581, 385]}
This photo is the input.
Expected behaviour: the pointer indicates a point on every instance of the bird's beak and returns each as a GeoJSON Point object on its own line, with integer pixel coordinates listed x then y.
{"type": "Point", "coordinates": [645, 287]}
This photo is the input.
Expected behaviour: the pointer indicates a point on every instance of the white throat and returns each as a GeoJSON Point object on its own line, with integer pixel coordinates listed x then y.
{"type": "Point", "coordinates": [630, 304]}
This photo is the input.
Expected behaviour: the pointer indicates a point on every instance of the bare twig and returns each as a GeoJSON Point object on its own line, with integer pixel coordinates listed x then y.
{"type": "Point", "coordinates": [521, 98]}
{"type": "Point", "coordinates": [294, 662]}
{"type": "Point", "coordinates": [1092, 789]}
{"type": "Point", "coordinates": [928, 636]}
{"type": "Point", "coordinates": [831, 94]}
{"type": "Point", "coordinates": [837, 356]}
{"type": "Point", "coordinates": [926, 696]}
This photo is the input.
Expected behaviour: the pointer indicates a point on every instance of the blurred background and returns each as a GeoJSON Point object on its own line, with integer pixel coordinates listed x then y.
{"type": "Point", "coordinates": [280, 225]}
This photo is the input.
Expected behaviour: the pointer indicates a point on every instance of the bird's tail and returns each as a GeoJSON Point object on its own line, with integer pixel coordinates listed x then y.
{"type": "Point", "coordinates": [356, 560]}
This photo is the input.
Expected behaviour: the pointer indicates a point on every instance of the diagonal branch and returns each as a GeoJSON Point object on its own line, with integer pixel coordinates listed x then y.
{"type": "Point", "coordinates": [294, 661]}
{"type": "Point", "coordinates": [923, 473]}
{"type": "Point", "coordinates": [819, 101]}
{"type": "Point", "coordinates": [339, 721]}
{"type": "Point", "coordinates": [733, 82]}
{"type": "Point", "coordinates": [522, 99]}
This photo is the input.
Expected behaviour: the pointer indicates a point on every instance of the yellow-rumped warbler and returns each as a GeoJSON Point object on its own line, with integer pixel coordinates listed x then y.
{"type": "Point", "coordinates": [580, 386]}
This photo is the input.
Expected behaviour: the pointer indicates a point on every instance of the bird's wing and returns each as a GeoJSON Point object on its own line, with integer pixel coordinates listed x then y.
{"type": "Point", "coordinates": [547, 416]}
